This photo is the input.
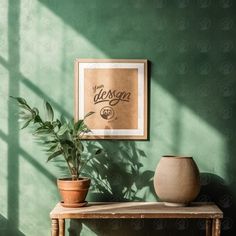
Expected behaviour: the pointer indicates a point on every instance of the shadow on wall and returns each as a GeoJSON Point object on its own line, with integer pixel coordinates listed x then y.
{"type": "Point", "coordinates": [117, 174]}
{"type": "Point", "coordinates": [13, 127]}
{"type": "Point", "coordinates": [6, 229]}
{"type": "Point", "coordinates": [215, 189]}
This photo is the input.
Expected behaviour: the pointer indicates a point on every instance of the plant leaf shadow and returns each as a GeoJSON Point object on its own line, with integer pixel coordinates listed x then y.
{"type": "Point", "coordinates": [117, 173]}
{"type": "Point", "coordinates": [117, 176]}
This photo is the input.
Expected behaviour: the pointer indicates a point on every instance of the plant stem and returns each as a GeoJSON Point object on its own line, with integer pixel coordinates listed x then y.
{"type": "Point", "coordinates": [68, 165]}
{"type": "Point", "coordinates": [73, 176]}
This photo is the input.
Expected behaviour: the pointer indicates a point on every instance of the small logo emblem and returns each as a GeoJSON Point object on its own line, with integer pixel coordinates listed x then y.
{"type": "Point", "coordinates": [107, 113]}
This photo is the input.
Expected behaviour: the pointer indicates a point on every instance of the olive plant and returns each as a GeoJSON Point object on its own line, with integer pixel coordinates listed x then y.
{"type": "Point", "coordinates": [61, 137]}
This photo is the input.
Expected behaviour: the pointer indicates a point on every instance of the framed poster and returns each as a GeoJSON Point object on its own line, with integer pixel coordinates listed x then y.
{"type": "Point", "coordinates": [116, 90]}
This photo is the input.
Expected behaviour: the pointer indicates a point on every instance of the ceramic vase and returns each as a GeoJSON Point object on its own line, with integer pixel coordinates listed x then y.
{"type": "Point", "coordinates": [177, 180]}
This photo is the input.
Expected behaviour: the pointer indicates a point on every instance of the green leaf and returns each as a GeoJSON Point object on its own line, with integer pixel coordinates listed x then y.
{"type": "Point", "coordinates": [70, 125]}
{"type": "Point", "coordinates": [26, 124]}
{"type": "Point", "coordinates": [63, 129]}
{"type": "Point", "coordinates": [41, 128]}
{"type": "Point", "coordinates": [56, 123]}
{"type": "Point", "coordinates": [42, 131]}
{"type": "Point", "coordinates": [78, 124]}
{"type": "Point", "coordinates": [99, 151]}
{"type": "Point", "coordinates": [89, 114]}
{"type": "Point", "coordinates": [67, 142]}
{"type": "Point", "coordinates": [83, 128]}
{"type": "Point", "coordinates": [22, 103]}
{"type": "Point", "coordinates": [25, 115]}
{"type": "Point", "coordinates": [55, 154]}
{"type": "Point", "coordinates": [50, 113]}
{"type": "Point", "coordinates": [51, 141]}
{"type": "Point", "coordinates": [37, 119]}
{"type": "Point", "coordinates": [20, 100]}
{"type": "Point", "coordinates": [62, 119]}
{"type": "Point", "coordinates": [80, 146]}
{"type": "Point", "coordinates": [36, 111]}
{"type": "Point", "coordinates": [52, 148]}
{"type": "Point", "coordinates": [24, 106]}
{"type": "Point", "coordinates": [142, 153]}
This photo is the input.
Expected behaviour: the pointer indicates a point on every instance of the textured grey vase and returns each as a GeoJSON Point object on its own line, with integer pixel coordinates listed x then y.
{"type": "Point", "coordinates": [177, 180]}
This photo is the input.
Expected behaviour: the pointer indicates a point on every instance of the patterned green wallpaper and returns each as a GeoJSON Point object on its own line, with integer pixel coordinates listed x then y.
{"type": "Point", "coordinates": [191, 48]}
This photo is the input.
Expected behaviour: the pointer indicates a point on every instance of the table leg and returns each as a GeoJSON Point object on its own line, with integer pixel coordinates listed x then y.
{"type": "Point", "coordinates": [55, 227]}
{"type": "Point", "coordinates": [217, 227]}
{"type": "Point", "coordinates": [213, 227]}
{"type": "Point", "coordinates": [61, 227]}
{"type": "Point", "coordinates": [208, 227]}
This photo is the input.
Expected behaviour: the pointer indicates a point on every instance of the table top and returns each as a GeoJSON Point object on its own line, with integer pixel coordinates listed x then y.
{"type": "Point", "coordinates": [127, 210]}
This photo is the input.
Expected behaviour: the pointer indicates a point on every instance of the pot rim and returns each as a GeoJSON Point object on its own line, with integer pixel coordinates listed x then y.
{"type": "Point", "coordinates": [81, 179]}
{"type": "Point", "coordinates": [178, 156]}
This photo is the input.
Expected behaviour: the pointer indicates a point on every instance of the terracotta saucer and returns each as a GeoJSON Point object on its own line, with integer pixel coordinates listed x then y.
{"type": "Point", "coordinates": [75, 205]}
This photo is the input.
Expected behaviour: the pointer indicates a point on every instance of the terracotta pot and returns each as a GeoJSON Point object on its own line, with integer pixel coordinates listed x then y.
{"type": "Point", "coordinates": [73, 192]}
{"type": "Point", "coordinates": [177, 180]}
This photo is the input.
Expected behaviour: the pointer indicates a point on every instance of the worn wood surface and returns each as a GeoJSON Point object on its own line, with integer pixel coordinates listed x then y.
{"type": "Point", "coordinates": [61, 227]}
{"type": "Point", "coordinates": [217, 226]}
{"type": "Point", "coordinates": [208, 227]}
{"type": "Point", "coordinates": [126, 210]}
{"type": "Point", "coordinates": [54, 227]}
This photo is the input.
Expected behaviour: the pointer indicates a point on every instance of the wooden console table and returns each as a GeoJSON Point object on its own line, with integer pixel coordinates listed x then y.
{"type": "Point", "coordinates": [138, 210]}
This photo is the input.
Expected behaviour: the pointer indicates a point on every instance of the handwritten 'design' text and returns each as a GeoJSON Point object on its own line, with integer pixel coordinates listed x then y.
{"type": "Point", "coordinates": [111, 96]}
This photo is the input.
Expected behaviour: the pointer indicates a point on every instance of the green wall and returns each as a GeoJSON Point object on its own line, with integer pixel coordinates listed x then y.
{"type": "Point", "coordinates": [191, 48]}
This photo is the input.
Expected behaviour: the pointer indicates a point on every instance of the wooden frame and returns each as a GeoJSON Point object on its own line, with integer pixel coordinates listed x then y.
{"type": "Point", "coordinates": [116, 90]}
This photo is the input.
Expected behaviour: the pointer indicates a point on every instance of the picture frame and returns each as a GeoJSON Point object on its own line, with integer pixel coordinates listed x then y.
{"type": "Point", "coordinates": [116, 90]}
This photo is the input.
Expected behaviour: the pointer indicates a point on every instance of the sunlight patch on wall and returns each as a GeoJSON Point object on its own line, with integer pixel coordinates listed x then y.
{"type": "Point", "coordinates": [4, 78]}
{"type": "Point", "coordinates": [51, 46]}
{"type": "Point", "coordinates": [3, 29]}
{"type": "Point", "coordinates": [31, 179]}
{"type": "Point", "coordinates": [3, 176]}
{"type": "Point", "coordinates": [176, 129]}
{"type": "Point", "coordinates": [204, 141]}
